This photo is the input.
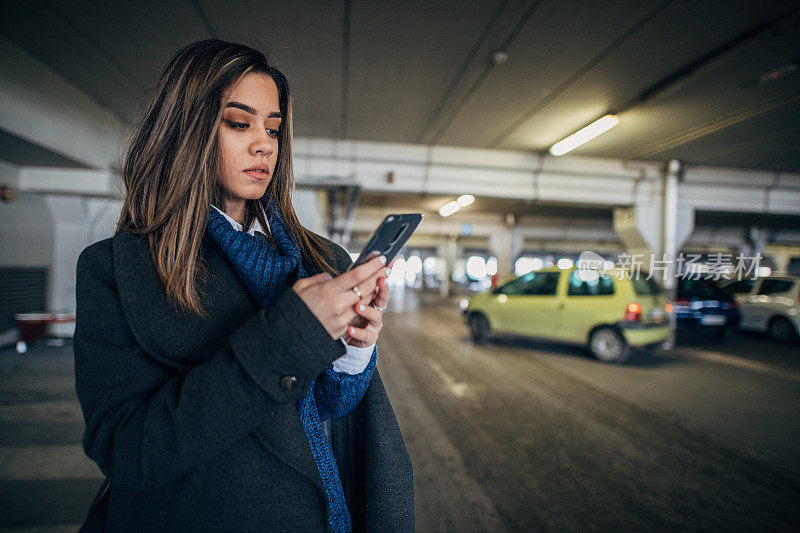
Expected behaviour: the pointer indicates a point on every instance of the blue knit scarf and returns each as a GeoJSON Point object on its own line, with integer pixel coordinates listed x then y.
{"type": "Point", "coordinates": [267, 271]}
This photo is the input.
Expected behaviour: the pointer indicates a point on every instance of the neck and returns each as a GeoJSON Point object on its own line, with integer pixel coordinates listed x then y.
{"type": "Point", "coordinates": [235, 209]}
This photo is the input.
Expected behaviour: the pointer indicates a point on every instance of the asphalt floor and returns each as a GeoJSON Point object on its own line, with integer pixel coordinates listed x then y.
{"type": "Point", "coordinates": [512, 435]}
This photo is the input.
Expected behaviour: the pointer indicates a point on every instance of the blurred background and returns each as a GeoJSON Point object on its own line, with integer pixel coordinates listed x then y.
{"type": "Point", "coordinates": [570, 398]}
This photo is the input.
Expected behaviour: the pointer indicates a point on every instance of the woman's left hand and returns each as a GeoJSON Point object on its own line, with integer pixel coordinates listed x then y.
{"type": "Point", "coordinates": [364, 329]}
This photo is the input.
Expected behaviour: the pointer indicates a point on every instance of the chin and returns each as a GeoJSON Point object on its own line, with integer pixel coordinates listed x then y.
{"type": "Point", "coordinates": [253, 192]}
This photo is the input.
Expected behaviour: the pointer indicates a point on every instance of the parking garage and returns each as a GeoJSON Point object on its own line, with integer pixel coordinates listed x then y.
{"type": "Point", "coordinates": [604, 338]}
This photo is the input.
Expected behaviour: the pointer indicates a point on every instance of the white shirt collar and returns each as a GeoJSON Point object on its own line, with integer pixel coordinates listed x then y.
{"type": "Point", "coordinates": [255, 226]}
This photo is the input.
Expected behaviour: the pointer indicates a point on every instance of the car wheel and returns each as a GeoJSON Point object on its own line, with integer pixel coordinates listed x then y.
{"type": "Point", "coordinates": [780, 329]}
{"type": "Point", "coordinates": [478, 328]}
{"type": "Point", "coordinates": [607, 345]}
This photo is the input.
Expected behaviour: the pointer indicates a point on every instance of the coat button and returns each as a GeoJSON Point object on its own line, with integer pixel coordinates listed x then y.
{"type": "Point", "coordinates": [288, 382]}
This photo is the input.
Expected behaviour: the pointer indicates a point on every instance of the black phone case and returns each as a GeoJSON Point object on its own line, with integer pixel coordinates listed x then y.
{"type": "Point", "coordinates": [390, 237]}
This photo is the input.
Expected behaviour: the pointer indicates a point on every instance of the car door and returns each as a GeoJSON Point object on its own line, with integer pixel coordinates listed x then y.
{"type": "Point", "coordinates": [769, 301]}
{"type": "Point", "coordinates": [590, 299]}
{"type": "Point", "coordinates": [743, 291]}
{"type": "Point", "coordinates": [527, 305]}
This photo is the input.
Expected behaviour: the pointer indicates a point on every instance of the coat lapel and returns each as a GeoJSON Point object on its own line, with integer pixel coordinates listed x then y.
{"type": "Point", "coordinates": [181, 340]}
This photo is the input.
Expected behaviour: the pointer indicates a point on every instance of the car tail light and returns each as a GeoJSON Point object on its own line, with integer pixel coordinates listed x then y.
{"type": "Point", "coordinates": [633, 313]}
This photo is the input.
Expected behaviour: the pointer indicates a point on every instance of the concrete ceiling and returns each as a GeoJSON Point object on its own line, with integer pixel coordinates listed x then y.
{"type": "Point", "coordinates": [689, 78]}
{"type": "Point", "coordinates": [429, 204]}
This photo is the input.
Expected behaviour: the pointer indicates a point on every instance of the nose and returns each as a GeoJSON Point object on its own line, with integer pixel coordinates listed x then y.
{"type": "Point", "coordinates": [264, 145]}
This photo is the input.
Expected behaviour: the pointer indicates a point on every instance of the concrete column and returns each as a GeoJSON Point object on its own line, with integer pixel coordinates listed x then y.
{"type": "Point", "coordinates": [653, 231]}
{"type": "Point", "coordinates": [669, 246]}
{"type": "Point", "coordinates": [449, 249]}
{"type": "Point", "coordinates": [505, 245]}
{"type": "Point", "coordinates": [755, 245]}
{"type": "Point", "coordinates": [781, 256]}
{"type": "Point", "coordinates": [758, 239]}
{"type": "Point", "coordinates": [656, 227]}
{"type": "Point", "coordinates": [311, 210]}
{"type": "Point", "coordinates": [26, 232]}
{"type": "Point", "coordinates": [669, 224]}
{"type": "Point", "coordinates": [70, 237]}
{"type": "Point", "coordinates": [781, 262]}
{"type": "Point", "coordinates": [500, 247]}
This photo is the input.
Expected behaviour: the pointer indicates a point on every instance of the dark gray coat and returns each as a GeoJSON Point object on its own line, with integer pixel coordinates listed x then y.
{"type": "Point", "coordinates": [191, 418]}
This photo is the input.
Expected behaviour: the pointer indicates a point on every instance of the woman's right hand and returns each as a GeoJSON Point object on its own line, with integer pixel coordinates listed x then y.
{"type": "Point", "coordinates": [332, 300]}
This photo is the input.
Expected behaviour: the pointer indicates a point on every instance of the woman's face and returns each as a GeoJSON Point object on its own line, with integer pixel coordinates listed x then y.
{"type": "Point", "coordinates": [248, 140]}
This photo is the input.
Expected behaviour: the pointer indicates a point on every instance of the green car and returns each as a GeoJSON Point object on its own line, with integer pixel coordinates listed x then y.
{"type": "Point", "coordinates": [609, 311]}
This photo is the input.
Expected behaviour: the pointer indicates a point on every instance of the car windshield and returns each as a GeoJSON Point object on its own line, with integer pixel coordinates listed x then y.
{"type": "Point", "coordinates": [644, 284]}
{"type": "Point", "coordinates": [699, 288]}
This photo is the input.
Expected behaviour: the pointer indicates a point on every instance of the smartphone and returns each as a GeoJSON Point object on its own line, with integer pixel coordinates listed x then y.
{"type": "Point", "coordinates": [390, 237]}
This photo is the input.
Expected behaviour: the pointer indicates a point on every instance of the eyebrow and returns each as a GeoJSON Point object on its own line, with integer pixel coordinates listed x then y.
{"type": "Point", "coordinates": [247, 109]}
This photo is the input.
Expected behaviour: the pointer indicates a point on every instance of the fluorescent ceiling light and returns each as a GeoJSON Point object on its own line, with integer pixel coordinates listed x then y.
{"type": "Point", "coordinates": [449, 208]}
{"type": "Point", "coordinates": [465, 199]}
{"type": "Point", "coordinates": [585, 135]}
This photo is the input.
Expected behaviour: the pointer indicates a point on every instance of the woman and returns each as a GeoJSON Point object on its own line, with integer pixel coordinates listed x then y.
{"type": "Point", "coordinates": [227, 376]}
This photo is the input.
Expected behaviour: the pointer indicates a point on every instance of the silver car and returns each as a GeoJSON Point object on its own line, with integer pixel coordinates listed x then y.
{"type": "Point", "coordinates": [771, 305]}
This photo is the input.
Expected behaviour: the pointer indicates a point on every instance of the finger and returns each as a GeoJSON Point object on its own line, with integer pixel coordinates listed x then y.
{"type": "Point", "coordinates": [382, 298]}
{"type": "Point", "coordinates": [373, 316]}
{"type": "Point", "coordinates": [360, 273]}
{"type": "Point", "coordinates": [371, 300]}
{"type": "Point", "coordinates": [362, 334]}
{"type": "Point", "coordinates": [367, 287]}
{"type": "Point", "coordinates": [352, 297]}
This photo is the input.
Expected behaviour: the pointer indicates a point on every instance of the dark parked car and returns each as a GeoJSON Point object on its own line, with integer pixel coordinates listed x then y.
{"type": "Point", "coordinates": [703, 307]}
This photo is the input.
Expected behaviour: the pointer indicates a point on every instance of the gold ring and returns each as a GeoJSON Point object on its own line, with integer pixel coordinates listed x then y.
{"type": "Point", "coordinates": [356, 290]}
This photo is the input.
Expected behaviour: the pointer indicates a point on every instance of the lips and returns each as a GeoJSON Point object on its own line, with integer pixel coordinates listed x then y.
{"type": "Point", "coordinates": [260, 166]}
{"type": "Point", "coordinates": [260, 171]}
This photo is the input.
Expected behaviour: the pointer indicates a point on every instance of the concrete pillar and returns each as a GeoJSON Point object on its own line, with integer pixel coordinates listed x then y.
{"type": "Point", "coordinates": [341, 210]}
{"type": "Point", "coordinates": [311, 209]}
{"type": "Point", "coordinates": [500, 247]}
{"type": "Point", "coordinates": [758, 239]}
{"type": "Point", "coordinates": [669, 243]}
{"type": "Point", "coordinates": [653, 232]}
{"type": "Point", "coordinates": [26, 232]}
{"type": "Point", "coordinates": [70, 237]}
{"type": "Point", "coordinates": [781, 262]}
{"type": "Point", "coordinates": [669, 225]}
{"type": "Point", "coordinates": [449, 250]}
{"type": "Point", "coordinates": [781, 256]}
{"type": "Point", "coordinates": [754, 247]}
{"type": "Point", "coordinates": [506, 245]}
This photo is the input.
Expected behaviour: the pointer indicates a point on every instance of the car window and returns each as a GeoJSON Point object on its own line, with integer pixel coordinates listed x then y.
{"type": "Point", "coordinates": [543, 284]}
{"type": "Point", "coordinates": [516, 286]}
{"type": "Point", "coordinates": [744, 286]}
{"type": "Point", "coordinates": [642, 285]}
{"type": "Point", "coordinates": [589, 283]}
{"type": "Point", "coordinates": [773, 286]}
{"type": "Point", "coordinates": [531, 284]}
{"type": "Point", "coordinates": [698, 288]}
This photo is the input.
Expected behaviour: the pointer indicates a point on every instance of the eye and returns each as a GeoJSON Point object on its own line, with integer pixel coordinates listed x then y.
{"type": "Point", "coordinates": [236, 125]}
{"type": "Point", "coordinates": [273, 133]}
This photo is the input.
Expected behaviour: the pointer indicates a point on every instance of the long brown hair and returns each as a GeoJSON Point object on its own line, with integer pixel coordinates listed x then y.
{"type": "Point", "coordinates": [170, 170]}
